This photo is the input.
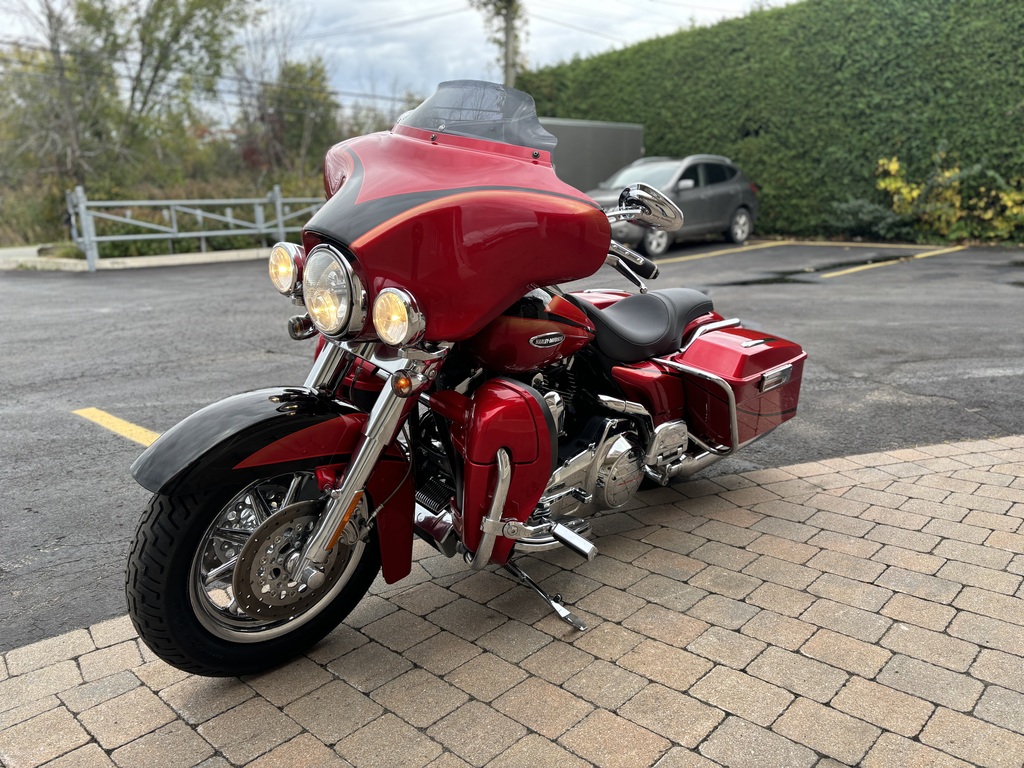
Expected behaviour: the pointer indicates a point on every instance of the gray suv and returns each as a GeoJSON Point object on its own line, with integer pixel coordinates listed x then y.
{"type": "Point", "coordinates": [713, 194]}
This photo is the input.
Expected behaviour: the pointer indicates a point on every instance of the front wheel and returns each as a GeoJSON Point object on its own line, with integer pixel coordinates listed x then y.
{"type": "Point", "coordinates": [657, 242]}
{"type": "Point", "coordinates": [207, 580]}
{"type": "Point", "coordinates": [740, 226]}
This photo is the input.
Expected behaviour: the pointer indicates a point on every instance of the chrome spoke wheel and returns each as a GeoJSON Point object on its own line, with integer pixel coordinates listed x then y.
{"type": "Point", "coordinates": [239, 587]}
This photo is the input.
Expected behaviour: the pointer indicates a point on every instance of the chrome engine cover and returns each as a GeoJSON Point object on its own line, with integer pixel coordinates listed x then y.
{"type": "Point", "coordinates": [604, 476]}
{"type": "Point", "coordinates": [618, 474]}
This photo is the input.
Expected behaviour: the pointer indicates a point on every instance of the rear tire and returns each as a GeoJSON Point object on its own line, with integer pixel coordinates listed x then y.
{"type": "Point", "coordinates": [185, 611]}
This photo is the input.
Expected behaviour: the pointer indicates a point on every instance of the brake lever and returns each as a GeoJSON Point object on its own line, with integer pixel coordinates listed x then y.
{"type": "Point", "coordinates": [620, 266]}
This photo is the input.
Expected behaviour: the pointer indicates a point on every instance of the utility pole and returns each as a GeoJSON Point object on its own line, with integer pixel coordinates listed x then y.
{"type": "Point", "coordinates": [510, 45]}
{"type": "Point", "coordinates": [504, 19]}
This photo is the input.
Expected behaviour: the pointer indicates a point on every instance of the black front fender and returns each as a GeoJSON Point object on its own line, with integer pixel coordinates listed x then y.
{"type": "Point", "coordinates": [238, 439]}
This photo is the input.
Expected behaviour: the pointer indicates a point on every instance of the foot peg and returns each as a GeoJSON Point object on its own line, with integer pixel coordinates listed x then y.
{"type": "Point", "coordinates": [574, 541]}
{"type": "Point", "coordinates": [554, 601]}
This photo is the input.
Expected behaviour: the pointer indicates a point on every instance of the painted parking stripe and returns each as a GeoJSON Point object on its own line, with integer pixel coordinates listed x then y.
{"type": "Point", "coordinates": [118, 426]}
{"type": "Point", "coordinates": [862, 267]}
{"type": "Point", "coordinates": [708, 255]}
{"type": "Point", "coordinates": [838, 244]}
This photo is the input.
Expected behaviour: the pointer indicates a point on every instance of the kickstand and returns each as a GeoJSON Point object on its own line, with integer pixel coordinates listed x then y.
{"type": "Point", "coordinates": [554, 601]}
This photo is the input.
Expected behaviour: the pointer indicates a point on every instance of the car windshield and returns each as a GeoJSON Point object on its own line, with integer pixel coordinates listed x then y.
{"type": "Point", "coordinates": [655, 174]}
{"type": "Point", "coordinates": [482, 110]}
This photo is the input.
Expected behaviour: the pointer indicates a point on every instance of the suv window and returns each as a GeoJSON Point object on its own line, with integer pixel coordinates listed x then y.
{"type": "Point", "coordinates": [692, 174]}
{"type": "Point", "coordinates": [716, 173]}
{"type": "Point", "coordinates": [657, 174]}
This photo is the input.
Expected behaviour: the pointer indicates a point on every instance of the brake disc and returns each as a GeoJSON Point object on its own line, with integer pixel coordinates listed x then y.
{"type": "Point", "coordinates": [262, 583]}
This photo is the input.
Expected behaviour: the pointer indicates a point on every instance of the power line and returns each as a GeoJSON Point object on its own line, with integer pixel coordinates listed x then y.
{"type": "Point", "coordinates": [567, 25]}
{"type": "Point", "coordinates": [239, 79]}
{"type": "Point", "coordinates": [384, 24]}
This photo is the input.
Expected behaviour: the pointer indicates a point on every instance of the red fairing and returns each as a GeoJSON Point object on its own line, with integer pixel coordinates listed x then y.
{"type": "Point", "coordinates": [512, 343]}
{"type": "Point", "coordinates": [500, 414]}
{"type": "Point", "coordinates": [467, 226]}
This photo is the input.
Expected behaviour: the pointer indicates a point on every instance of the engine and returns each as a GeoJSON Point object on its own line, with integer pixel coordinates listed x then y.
{"type": "Point", "coordinates": [603, 469]}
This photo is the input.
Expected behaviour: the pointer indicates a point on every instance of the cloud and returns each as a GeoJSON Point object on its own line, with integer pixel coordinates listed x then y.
{"type": "Point", "coordinates": [394, 46]}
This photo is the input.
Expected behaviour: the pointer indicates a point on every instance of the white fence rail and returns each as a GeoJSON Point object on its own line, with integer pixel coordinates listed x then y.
{"type": "Point", "coordinates": [259, 217]}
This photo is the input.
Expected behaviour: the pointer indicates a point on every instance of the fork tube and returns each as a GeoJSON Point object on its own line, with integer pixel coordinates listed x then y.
{"type": "Point", "coordinates": [380, 429]}
{"type": "Point", "coordinates": [326, 367]}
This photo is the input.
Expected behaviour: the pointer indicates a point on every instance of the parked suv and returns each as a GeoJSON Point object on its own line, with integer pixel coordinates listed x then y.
{"type": "Point", "coordinates": [713, 194]}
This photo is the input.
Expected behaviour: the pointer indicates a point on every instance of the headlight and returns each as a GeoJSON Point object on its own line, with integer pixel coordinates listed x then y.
{"type": "Point", "coordinates": [396, 318]}
{"type": "Point", "coordinates": [286, 266]}
{"type": "Point", "coordinates": [331, 292]}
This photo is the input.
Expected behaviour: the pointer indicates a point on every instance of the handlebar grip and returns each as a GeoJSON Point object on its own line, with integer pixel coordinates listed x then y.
{"type": "Point", "coordinates": [641, 265]}
{"type": "Point", "coordinates": [647, 270]}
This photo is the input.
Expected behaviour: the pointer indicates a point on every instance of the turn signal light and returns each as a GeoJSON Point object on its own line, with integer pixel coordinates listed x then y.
{"type": "Point", "coordinates": [402, 383]}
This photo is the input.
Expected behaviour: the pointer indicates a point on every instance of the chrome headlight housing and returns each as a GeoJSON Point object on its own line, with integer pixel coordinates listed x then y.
{"type": "Point", "coordinates": [397, 318]}
{"type": "Point", "coordinates": [332, 293]}
{"type": "Point", "coordinates": [286, 260]}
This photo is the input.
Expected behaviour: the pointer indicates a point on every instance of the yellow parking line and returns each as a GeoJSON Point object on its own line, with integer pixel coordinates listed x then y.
{"type": "Point", "coordinates": [118, 426]}
{"type": "Point", "coordinates": [839, 244]}
{"type": "Point", "coordinates": [862, 267]}
{"type": "Point", "coordinates": [696, 256]}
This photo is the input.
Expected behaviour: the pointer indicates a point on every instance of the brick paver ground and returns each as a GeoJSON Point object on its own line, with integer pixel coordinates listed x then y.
{"type": "Point", "coordinates": [859, 611]}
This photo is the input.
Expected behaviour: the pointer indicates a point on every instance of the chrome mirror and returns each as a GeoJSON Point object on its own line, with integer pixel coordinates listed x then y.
{"type": "Point", "coordinates": [643, 204]}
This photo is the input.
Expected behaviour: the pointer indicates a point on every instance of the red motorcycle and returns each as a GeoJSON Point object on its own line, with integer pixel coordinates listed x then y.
{"type": "Point", "coordinates": [458, 394]}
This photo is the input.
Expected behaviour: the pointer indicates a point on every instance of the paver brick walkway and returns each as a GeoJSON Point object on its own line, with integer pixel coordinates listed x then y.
{"type": "Point", "coordinates": [861, 611]}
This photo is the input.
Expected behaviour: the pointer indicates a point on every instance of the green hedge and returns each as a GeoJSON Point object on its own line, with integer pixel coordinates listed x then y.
{"type": "Point", "coordinates": [807, 98]}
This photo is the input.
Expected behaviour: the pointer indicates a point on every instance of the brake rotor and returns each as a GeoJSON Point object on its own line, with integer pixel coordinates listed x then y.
{"type": "Point", "coordinates": [262, 583]}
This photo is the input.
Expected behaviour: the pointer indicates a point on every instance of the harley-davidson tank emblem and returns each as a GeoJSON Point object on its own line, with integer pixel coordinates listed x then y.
{"type": "Point", "coordinates": [545, 340]}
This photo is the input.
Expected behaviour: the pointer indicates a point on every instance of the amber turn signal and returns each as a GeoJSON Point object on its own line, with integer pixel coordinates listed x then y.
{"type": "Point", "coordinates": [402, 383]}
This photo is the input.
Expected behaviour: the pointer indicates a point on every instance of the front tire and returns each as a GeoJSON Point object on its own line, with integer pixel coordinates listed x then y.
{"type": "Point", "coordinates": [740, 226]}
{"type": "Point", "coordinates": [180, 577]}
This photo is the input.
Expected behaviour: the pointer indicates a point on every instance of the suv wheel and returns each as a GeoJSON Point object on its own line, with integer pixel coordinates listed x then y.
{"type": "Point", "coordinates": [740, 226]}
{"type": "Point", "coordinates": [656, 242]}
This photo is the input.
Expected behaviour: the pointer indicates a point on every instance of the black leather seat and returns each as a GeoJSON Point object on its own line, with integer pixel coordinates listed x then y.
{"type": "Point", "coordinates": [646, 324]}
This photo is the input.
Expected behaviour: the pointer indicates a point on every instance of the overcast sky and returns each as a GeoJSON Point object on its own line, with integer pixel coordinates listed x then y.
{"type": "Point", "coordinates": [391, 46]}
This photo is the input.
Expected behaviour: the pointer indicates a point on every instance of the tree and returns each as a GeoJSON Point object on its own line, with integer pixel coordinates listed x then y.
{"type": "Point", "coordinates": [507, 22]}
{"type": "Point", "coordinates": [300, 115]}
{"type": "Point", "coordinates": [165, 50]}
{"type": "Point", "coordinates": [60, 95]}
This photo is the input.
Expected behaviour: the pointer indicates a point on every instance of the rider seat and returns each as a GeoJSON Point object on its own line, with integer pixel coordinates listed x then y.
{"type": "Point", "coordinates": [646, 324]}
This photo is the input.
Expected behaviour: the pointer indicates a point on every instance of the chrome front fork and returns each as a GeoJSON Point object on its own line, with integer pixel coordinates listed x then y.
{"type": "Point", "coordinates": [409, 372]}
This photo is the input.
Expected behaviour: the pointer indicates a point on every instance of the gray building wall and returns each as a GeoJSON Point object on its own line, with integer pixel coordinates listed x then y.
{"type": "Point", "coordinates": [590, 151]}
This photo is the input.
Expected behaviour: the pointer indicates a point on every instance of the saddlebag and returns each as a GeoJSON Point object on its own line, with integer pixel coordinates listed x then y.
{"type": "Point", "coordinates": [758, 372]}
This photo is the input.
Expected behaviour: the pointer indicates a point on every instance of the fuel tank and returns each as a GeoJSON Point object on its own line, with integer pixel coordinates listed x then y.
{"type": "Point", "coordinates": [538, 330]}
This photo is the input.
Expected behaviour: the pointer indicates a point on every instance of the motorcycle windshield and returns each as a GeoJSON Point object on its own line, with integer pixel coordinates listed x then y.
{"type": "Point", "coordinates": [480, 110]}
{"type": "Point", "coordinates": [460, 206]}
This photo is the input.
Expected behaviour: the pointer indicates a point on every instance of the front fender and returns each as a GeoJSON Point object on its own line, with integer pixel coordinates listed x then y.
{"type": "Point", "coordinates": [238, 438]}
{"type": "Point", "coordinates": [275, 431]}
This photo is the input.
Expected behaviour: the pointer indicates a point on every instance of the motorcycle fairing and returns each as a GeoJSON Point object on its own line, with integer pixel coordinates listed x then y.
{"type": "Point", "coordinates": [422, 212]}
{"type": "Point", "coordinates": [235, 441]}
{"type": "Point", "coordinates": [502, 413]}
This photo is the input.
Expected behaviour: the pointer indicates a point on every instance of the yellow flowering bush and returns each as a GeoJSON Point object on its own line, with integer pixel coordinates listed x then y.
{"type": "Point", "coordinates": [955, 204]}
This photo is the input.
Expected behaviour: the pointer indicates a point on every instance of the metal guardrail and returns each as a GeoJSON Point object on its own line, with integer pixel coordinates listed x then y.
{"type": "Point", "coordinates": [270, 215]}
